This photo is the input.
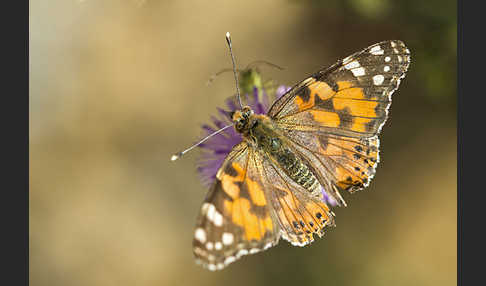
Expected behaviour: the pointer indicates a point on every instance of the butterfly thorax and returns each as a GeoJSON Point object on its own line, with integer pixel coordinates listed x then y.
{"type": "Point", "coordinates": [262, 134]}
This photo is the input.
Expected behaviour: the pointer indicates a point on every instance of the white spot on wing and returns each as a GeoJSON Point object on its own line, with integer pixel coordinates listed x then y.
{"type": "Point", "coordinates": [242, 252]}
{"type": "Point", "coordinates": [352, 65]}
{"type": "Point", "coordinates": [378, 79]}
{"type": "Point", "coordinates": [218, 219]}
{"type": "Point", "coordinates": [218, 245]}
{"type": "Point", "coordinates": [387, 59]}
{"type": "Point", "coordinates": [227, 238]}
{"type": "Point", "coordinates": [358, 72]}
{"type": "Point", "coordinates": [200, 235]}
{"type": "Point", "coordinates": [229, 259]}
{"type": "Point", "coordinates": [376, 50]}
{"type": "Point", "coordinates": [386, 69]}
{"type": "Point", "coordinates": [210, 213]}
{"type": "Point", "coordinates": [209, 246]}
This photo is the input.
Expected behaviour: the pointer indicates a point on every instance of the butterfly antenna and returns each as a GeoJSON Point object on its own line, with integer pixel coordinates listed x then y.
{"type": "Point", "coordinates": [262, 62]}
{"type": "Point", "coordinates": [178, 155]}
{"type": "Point", "coordinates": [228, 40]}
{"type": "Point", "coordinates": [213, 77]}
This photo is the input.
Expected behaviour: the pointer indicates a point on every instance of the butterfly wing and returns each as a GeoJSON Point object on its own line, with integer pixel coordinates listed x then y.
{"type": "Point", "coordinates": [331, 120]}
{"type": "Point", "coordinates": [251, 204]}
{"type": "Point", "coordinates": [235, 218]}
{"type": "Point", "coordinates": [333, 117]}
{"type": "Point", "coordinates": [339, 162]}
{"type": "Point", "coordinates": [298, 214]}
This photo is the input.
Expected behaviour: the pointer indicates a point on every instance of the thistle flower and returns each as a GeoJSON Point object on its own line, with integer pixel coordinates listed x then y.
{"type": "Point", "coordinates": [215, 149]}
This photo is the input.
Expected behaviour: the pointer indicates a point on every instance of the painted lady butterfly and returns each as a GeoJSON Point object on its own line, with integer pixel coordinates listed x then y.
{"type": "Point", "coordinates": [320, 135]}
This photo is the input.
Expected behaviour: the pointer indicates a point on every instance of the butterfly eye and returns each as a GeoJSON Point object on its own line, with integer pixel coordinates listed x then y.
{"type": "Point", "coordinates": [240, 123]}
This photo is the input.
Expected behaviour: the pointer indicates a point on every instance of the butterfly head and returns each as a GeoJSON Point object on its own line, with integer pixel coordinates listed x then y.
{"type": "Point", "coordinates": [243, 119]}
{"type": "Point", "coordinates": [257, 129]}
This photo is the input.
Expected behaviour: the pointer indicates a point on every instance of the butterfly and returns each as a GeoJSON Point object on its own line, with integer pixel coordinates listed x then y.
{"type": "Point", "coordinates": [320, 136]}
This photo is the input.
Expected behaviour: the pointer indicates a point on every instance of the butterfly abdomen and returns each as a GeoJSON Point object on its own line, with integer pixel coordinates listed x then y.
{"type": "Point", "coordinates": [295, 168]}
{"type": "Point", "coordinates": [267, 139]}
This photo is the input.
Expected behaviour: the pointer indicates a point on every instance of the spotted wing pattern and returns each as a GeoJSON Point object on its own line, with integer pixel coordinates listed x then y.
{"type": "Point", "coordinates": [333, 117]}
{"type": "Point", "coordinates": [235, 218]}
{"type": "Point", "coordinates": [251, 205]}
{"type": "Point", "coordinates": [340, 163]}
{"type": "Point", "coordinates": [299, 214]}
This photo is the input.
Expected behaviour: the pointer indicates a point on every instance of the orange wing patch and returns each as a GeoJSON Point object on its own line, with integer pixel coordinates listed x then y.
{"type": "Point", "coordinates": [358, 106]}
{"type": "Point", "coordinates": [354, 97]}
{"type": "Point", "coordinates": [228, 182]}
{"type": "Point", "coordinates": [253, 226]}
{"type": "Point", "coordinates": [247, 207]}
{"type": "Point", "coordinates": [326, 118]}
{"type": "Point", "coordinates": [256, 193]}
{"type": "Point", "coordinates": [343, 105]}
{"type": "Point", "coordinates": [316, 88]}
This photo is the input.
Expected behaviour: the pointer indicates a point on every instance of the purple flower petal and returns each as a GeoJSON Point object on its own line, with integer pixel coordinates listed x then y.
{"type": "Point", "coordinates": [281, 90]}
{"type": "Point", "coordinates": [327, 198]}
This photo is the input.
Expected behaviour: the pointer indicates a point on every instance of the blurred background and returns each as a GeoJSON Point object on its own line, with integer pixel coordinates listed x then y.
{"type": "Point", "coordinates": [116, 87]}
